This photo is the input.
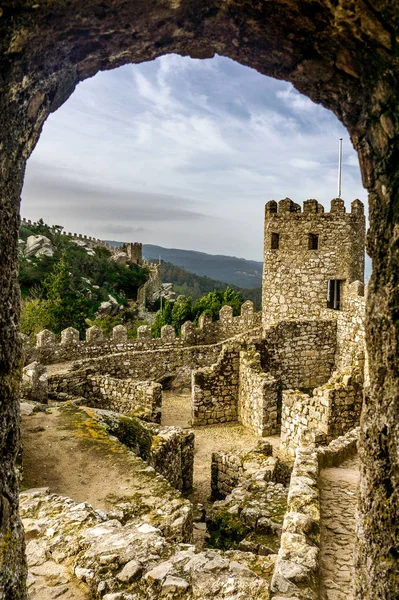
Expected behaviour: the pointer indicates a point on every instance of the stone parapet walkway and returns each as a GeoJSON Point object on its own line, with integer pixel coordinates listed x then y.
{"type": "Point", "coordinates": [338, 496]}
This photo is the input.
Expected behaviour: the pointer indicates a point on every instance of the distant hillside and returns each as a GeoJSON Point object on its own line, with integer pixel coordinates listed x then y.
{"type": "Point", "coordinates": [196, 286]}
{"type": "Point", "coordinates": [235, 271]}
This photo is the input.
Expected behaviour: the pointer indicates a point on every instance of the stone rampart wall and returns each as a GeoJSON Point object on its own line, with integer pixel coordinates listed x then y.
{"type": "Point", "coordinates": [331, 411]}
{"type": "Point", "coordinates": [132, 398]}
{"type": "Point", "coordinates": [146, 292]}
{"type": "Point", "coordinates": [296, 573]}
{"type": "Point", "coordinates": [155, 365]}
{"type": "Point", "coordinates": [259, 394]}
{"type": "Point", "coordinates": [215, 388]}
{"type": "Point", "coordinates": [49, 351]}
{"type": "Point", "coordinates": [338, 450]}
{"type": "Point", "coordinates": [169, 450]}
{"type": "Point", "coordinates": [300, 353]}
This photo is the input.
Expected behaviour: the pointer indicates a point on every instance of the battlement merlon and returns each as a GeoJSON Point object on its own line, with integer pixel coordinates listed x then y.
{"type": "Point", "coordinates": [288, 208]}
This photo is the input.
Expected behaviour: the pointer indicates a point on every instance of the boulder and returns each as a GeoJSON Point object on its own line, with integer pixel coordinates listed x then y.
{"type": "Point", "coordinates": [120, 257]}
{"type": "Point", "coordinates": [38, 245]}
{"type": "Point", "coordinates": [108, 308]}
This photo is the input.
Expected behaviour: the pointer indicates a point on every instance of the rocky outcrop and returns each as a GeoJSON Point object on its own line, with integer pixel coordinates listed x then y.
{"type": "Point", "coordinates": [122, 562]}
{"type": "Point", "coordinates": [38, 245]}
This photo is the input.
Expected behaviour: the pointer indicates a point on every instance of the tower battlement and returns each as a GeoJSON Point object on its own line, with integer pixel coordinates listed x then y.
{"type": "Point", "coordinates": [310, 257]}
{"type": "Point", "coordinates": [313, 207]}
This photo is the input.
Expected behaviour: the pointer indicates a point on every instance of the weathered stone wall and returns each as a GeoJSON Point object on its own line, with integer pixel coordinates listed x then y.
{"type": "Point", "coordinates": [229, 469]}
{"type": "Point", "coordinates": [351, 328]}
{"type": "Point", "coordinates": [48, 351]}
{"type": "Point", "coordinates": [146, 292]}
{"type": "Point", "coordinates": [34, 385]}
{"type": "Point", "coordinates": [215, 389]}
{"type": "Point", "coordinates": [132, 398]}
{"type": "Point", "coordinates": [300, 353]}
{"type": "Point", "coordinates": [338, 450]}
{"type": "Point", "coordinates": [295, 277]}
{"type": "Point", "coordinates": [259, 399]}
{"type": "Point", "coordinates": [331, 411]}
{"type": "Point", "coordinates": [169, 450]}
{"type": "Point", "coordinates": [297, 567]}
{"type": "Point", "coordinates": [154, 365]}
{"type": "Point", "coordinates": [250, 513]}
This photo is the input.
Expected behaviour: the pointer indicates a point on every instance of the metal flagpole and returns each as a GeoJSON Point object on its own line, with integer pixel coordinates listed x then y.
{"type": "Point", "coordinates": [339, 167]}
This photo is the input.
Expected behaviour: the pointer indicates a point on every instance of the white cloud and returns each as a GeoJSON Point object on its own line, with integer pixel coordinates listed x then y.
{"type": "Point", "coordinates": [220, 136]}
{"type": "Point", "coordinates": [301, 163]}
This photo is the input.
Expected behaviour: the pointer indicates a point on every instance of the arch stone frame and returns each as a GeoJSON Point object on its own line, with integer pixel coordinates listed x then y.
{"type": "Point", "coordinates": [342, 54]}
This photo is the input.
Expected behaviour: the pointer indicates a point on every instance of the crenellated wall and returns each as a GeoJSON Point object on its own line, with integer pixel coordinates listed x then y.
{"type": "Point", "coordinates": [49, 351]}
{"type": "Point", "coordinates": [76, 236]}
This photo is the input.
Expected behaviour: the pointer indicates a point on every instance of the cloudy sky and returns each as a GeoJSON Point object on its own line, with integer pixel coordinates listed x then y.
{"type": "Point", "coordinates": [184, 153]}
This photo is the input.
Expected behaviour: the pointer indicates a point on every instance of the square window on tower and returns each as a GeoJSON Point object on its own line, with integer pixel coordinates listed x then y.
{"type": "Point", "coordinates": [313, 241]}
{"type": "Point", "coordinates": [334, 294]}
{"type": "Point", "coordinates": [275, 241]}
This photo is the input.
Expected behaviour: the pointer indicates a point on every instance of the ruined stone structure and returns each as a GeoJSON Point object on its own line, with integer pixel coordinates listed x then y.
{"type": "Point", "coordinates": [299, 377]}
{"type": "Point", "coordinates": [342, 55]}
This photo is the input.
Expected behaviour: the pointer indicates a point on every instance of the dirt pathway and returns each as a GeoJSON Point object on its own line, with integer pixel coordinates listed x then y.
{"type": "Point", "coordinates": [338, 488]}
{"type": "Point", "coordinates": [176, 410]}
{"type": "Point", "coordinates": [64, 450]}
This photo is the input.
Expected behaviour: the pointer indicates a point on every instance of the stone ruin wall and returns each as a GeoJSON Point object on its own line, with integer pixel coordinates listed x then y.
{"type": "Point", "coordinates": [229, 469]}
{"type": "Point", "coordinates": [48, 350]}
{"type": "Point", "coordinates": [331, 411]}
{"type": "Point", "coordinates": [248, 383]}
{"type": "Point", "coordinates": [146, 292]}
{"type": "Point", "coordinates": [215, 389]}
{"type": "Point", "coordinates": [294, 276]}
{"type": "Point", "coordinates": [141, 399]}
{"type": "Point", "coordinates": [169, 450]}
{"type": "Point", "coordinates": [259, 395]}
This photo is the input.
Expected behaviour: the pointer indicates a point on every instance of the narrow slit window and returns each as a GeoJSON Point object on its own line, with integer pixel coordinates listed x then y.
{"type": "Point", "coordinates": [313, 241]}
{"type": "Point", "coordinates": [275, 241]}
{"type": "Point", "coordinates": [334, 294]}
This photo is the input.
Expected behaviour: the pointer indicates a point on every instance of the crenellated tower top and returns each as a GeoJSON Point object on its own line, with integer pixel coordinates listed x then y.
{"type": "Point", "coordinates": [310, 257]}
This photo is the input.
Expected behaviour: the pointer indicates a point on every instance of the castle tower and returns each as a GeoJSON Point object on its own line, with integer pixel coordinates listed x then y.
{"type": "Point", "coordinates": [310, 258]}
{"type": "Point", "coordinates": [134, 252]}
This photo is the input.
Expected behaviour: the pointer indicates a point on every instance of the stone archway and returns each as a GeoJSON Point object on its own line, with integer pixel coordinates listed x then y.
{"type": "Point", "coordinates": [341, 54]}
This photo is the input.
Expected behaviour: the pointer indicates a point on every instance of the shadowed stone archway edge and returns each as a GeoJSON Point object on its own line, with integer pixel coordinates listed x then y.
{"type": "Point", "coordinates": [341, 54]}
